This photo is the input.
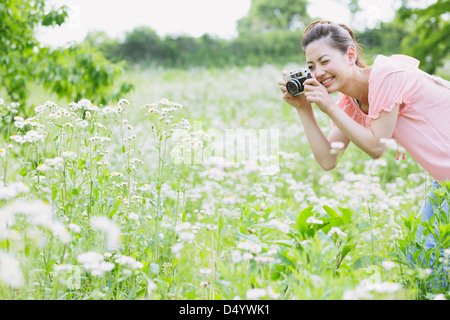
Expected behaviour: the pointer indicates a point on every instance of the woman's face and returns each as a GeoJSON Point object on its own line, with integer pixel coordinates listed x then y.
{"type": "Point", "coordinates": [328, 65]}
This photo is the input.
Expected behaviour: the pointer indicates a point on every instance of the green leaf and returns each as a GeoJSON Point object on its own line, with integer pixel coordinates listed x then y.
{"type": "Point", "coordinates": [302, 226]}
{"type": "Point", "coordinates": [284, 261]}
{"type": "Point", "coordinates": [24, 171]}
{"type": "Point", "coordinates": [366, 261]}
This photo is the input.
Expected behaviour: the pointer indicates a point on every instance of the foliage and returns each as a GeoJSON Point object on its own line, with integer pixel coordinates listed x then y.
{"type": "Point", "coordinates": [428, 30]}
{"type": "Point", "coordinates": [105, 202]}
{"type": "Point", "coordinates": [67, 72]}
{"type": "Point", "coordinates": [266, 15]}
{"type": "Point", "coordinates": [425, 244]}
{"type": "Point", "coordinates": [143, 47]}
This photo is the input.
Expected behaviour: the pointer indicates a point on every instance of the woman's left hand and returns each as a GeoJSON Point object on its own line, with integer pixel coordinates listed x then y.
{"type": "Point", "coordinates": [316, 93]}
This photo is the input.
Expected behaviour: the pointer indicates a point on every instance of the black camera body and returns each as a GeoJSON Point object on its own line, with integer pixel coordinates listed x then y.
{"type": "Point", "coordinates": [295, 81]}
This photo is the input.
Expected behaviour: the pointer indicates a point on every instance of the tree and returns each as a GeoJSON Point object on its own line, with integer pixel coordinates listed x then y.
{"type": "Point", "coordinates": [23, 60]}
{"type": "Point", "coordinates": [265, 15]}
{"type": "Point", "coordinates": [429, 30]}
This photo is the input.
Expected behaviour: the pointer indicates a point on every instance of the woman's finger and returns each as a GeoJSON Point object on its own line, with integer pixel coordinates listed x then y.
{"type": "Point", "coordinates": [312, 82]}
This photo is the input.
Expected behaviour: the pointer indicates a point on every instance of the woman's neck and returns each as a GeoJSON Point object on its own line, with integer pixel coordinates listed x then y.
{"type": "Point", "coordinates": [358, 85]}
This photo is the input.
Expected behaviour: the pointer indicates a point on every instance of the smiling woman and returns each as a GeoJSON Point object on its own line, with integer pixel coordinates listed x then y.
{"type": "Point", "coordinates": [390, 99]}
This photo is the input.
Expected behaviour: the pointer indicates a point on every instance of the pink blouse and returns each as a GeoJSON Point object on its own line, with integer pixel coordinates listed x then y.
{"type": "Point", "coordinates": [423, 124]}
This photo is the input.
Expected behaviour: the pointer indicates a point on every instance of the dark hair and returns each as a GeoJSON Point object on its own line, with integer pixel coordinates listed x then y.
{"type": "Point", "coordinates": [340, 36]}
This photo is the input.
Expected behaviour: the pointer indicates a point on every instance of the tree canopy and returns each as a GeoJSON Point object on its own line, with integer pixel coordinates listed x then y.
{"type": "Point", "coordinates": [71, 72]}
{"type": "Point", "coordinates": [265, 15]}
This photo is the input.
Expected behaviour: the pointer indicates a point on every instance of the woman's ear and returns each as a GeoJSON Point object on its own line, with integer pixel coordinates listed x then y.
{"type": "Point", "coordinates": [352, 55]}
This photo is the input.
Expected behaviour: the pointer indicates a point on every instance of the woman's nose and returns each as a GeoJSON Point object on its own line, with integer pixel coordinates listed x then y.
{"type": "Point", "coordinates": [318, 72]}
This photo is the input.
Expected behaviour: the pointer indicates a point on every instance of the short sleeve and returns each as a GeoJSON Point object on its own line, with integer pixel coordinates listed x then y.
{"type": "Point", "coordinates": [347, 104]}
{"type": "Point", "coordinates": [393, 80]}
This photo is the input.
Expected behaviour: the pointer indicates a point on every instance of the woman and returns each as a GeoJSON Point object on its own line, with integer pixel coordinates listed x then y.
{"type": "Point", "coordinates": [390, 99]}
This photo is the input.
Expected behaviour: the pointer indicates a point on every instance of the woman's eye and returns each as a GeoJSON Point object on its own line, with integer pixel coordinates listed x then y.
{"type": "Point", "coordinates": [310, 67]}
{"type": "Point", "coordinates": [325, 61]}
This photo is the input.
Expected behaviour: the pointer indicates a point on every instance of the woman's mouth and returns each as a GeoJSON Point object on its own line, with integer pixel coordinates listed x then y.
{"type": "Point", "coordinates": [327, 81]}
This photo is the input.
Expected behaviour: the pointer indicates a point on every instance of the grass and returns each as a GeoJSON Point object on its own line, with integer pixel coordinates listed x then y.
{"type": "Point", "coordinates": [214, 229]}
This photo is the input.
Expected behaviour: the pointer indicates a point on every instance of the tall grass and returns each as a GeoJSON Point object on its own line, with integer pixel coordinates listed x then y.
{"type": "Point", "coordinates": [107, 202]}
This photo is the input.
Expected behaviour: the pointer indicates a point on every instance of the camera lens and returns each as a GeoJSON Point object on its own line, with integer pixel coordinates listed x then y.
{"type": "Point", "coordinates": [294, 87]}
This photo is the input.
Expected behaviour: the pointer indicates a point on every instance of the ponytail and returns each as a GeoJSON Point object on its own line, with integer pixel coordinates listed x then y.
{"type": "Point", "coordinates": [341, 37]}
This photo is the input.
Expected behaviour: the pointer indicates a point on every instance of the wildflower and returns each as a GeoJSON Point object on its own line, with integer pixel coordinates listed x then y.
{"type": "Point", "coordinates": [204, 271]}
{"type": "Point", "coordinates": [123, 102]}
{"type": "Point", "coordinates": [388, 265]}
{"type": "Point", "coordinates": [130, 262]}
{"type": "Point", "coordinates": [236, 256]}
{"type": "Point", "coordinates": [263, 259]}
{"type": "Point", "coordinates": [314, 220]}
{"type": "Point", "coordinates": [186, 236]}
{"type": "Point", "coordinates": [43, 167]}
{"type": "Point", "coordinates": [116, 174]}
{"type": "Point", "coordinates": [283, 227]}
{"type": "Point", "coordinates": [112, 231]}
{"type": "Point", "coordinates": [84, 103]}
{"type": "Point", "coordinates": [82, 123]}
{"type": "Point", "coordinates": [74, 228]}
{"type": "Point", "coordinates": [256, 293]}
{"type": "Point", "coordinates": [93, 261]}
{"type": "Point", "coordinates": [176, 249]}
{"type": "Point", "coordinates": [69, 154]}
{"type": "Point", "coordinates": [247, 256]}
{"type": "Point", "coordinates": [10, 272]}
{"type": "Point", "coordinates": [338, 231]}
{"type": "Point", "coordinates": [390, 143]}
{"type": "Point", "coordinates": [183, 226]}
{"type": "Point", "coordinates": [151, 286]}
{"type": "Point", "coordinates": [250, 246]}
{"type": "Point", "coordinates": [145, 187]}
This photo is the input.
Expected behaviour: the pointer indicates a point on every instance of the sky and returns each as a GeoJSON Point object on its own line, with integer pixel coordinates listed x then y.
{"type": "Point", "coordinates": [191, 17]}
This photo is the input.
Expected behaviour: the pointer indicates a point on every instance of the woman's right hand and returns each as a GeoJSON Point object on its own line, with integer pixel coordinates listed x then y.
{"type": "Point", "coordinates": [295, 101]}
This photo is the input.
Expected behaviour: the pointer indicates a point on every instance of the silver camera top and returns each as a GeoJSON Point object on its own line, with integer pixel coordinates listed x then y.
{"type": "Point", "coordinates": [299, 73]}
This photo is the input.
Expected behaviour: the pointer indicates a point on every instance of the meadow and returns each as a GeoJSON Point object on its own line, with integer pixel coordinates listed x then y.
{"type": "Point", "coordinates": [164, 195]}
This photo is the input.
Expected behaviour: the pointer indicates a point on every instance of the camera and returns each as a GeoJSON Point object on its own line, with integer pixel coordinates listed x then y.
{"type": "Point", "coordinates": [295, 81]}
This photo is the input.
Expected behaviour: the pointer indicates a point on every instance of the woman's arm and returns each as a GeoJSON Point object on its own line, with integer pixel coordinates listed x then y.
{"type": "Point", "coordinates": [367, 139]}
{"type": "Point", "coordinates": [321, 145]}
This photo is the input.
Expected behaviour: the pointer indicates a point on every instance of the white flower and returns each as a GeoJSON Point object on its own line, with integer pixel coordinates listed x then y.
{"type": "Point", "coordinates": [151, 286]}
{"type": "Point", "coordinates": [256, 293]}
{"type": "Point", "coordinates": [176, 249]}
{"type": "Point", "coordinates": [112, 231]}
{"type": "Point", "coordinates": [283, 227]}
{"type": "Point", "coordinates": [74, 228]}
{"type": "Point", "coordinates": [236, 256]}
{"type": "Point", "coordinates": [129, 261]}
{"type": "Point", "coordinates": [337, 145]}
{"type": "Point", "coordinates": [388, 265]}
{"type": "Point", "coordinates": [10, 272]}
{"type": "Point", "coordinates": [69, 154]}
{"type": "Point", "coordinates": [93, 262]}
{"type": "Point", "coordinates": [186, 236]}
{"type": "Point", "coordinates": [336, 230]}
{"type": "Point", "coordinates": [314, 220]}
{"type": "Point", "coordinates": [250, 246]}
{"type": "Point", "coordinates": [390, 143]}
{"type": "Point", "coordinates": [204, 271]}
